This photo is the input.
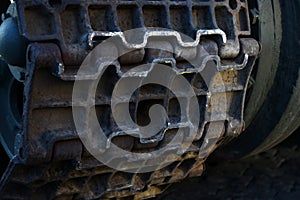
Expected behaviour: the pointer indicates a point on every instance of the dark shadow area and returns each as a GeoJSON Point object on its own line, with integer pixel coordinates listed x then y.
{"type": "Point", "coordinates": [4, 160]}
{"type": "Point", "coordinates": [274, 174]}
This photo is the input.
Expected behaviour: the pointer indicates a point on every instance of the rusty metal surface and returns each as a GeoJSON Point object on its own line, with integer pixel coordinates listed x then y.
{"type": "Point", "coordinates": [50, 160]}
{"type": "Point", "coordinates": [74, 25]}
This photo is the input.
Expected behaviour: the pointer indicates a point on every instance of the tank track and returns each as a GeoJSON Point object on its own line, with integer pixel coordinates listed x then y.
{"type": "Point", "coordinates": [49, 160]}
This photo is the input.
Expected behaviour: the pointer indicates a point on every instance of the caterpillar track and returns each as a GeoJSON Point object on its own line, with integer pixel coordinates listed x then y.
{"type": "Point", "coordinates": [46, 157]}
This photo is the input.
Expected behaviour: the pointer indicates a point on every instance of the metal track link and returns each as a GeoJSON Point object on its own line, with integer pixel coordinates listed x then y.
{"type": "Point", "coordinates": [51, 162]}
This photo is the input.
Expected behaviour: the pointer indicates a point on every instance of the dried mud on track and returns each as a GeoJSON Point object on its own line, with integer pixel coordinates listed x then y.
{"type": "Point", "coordinates": [274, 174]}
